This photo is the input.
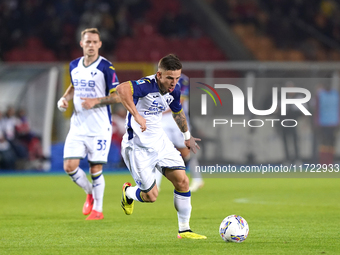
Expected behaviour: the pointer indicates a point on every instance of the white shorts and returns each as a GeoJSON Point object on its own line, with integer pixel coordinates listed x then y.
{"type": "Point", "coordinates": [95, 147]}
{"type": "Point", "coordinates": [172, 131]}
{"type": "Point", "coordinates": [143, 162]}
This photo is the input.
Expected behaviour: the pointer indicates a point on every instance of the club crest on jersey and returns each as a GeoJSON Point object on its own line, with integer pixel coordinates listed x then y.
{"type": "Point", "coordinates": [93, 73]}
{"type": "Point", "coordinates": [169, 100]}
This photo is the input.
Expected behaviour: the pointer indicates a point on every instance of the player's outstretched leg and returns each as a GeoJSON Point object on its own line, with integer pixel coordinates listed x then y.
{"type": "Point", "coordinates": [95, 215]}
{"type": "Point", "coordinates": [190, 235]}
{"type": "Point", "coordinates": [129, 194]}
{"type": "Point", "coordinates": [127, 203]}
{"type": "Point", "coordinates": [98, 184]}
{"type": "Point", "coordinates": [88, 205]}
{"type": "Point", "coordinates": [182, 202]}
{"type": "Point", "coordinates": [79, 177]}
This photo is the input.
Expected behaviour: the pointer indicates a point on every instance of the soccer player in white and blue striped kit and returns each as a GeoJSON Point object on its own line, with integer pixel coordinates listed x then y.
{"type": "Point", "coordinates": [90, 132]}
{"type": "Point", "coordinates": [171, 129]}
{"type": "Point", "coordinates": [145, 146]}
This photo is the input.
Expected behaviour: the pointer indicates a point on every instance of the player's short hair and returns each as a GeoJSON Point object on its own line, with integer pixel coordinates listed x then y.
{"type": "Point", "coordinates": [170, 62]}
{"type": "Point", "coordinates": [90, 30]}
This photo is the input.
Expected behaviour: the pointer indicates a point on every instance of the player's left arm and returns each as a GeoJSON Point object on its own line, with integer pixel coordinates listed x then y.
{"type": "Point", "coordinates": [181, 121]}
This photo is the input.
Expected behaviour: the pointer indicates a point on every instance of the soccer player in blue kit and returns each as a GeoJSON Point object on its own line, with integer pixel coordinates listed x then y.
{"type": "Point", "coordinates": [90, 130]}
{"type": "Point", "coordinates": [145, 146]}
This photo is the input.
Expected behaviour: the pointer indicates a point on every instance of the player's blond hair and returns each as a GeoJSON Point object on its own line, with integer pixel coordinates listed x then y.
{"type": "Point", "coordinates": [90, 30]}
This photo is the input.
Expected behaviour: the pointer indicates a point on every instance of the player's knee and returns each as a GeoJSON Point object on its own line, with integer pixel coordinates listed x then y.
{"type": "Point", "coordinates": [183, 184]}
{"type": "Point", "coordinates": [69, 166]}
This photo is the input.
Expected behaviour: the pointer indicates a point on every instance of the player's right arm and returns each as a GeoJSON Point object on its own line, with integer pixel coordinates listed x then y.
{"type": "Point", "coordinates": [125, 92]}
{"type": "Point", "coordinates": [63, 101]}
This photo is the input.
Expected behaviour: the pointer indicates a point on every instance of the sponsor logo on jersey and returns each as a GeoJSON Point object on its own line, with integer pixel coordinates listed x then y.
{"type": "Point", "coordinates": [155, 109]}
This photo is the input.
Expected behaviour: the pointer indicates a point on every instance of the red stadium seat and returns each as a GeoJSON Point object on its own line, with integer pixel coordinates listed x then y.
{"type": "Point", "coordinates": [217, 55]}
{"type": "Point", "coordinates": [190, 43]}
{"type": "Point", "coordinates": [186, 55]}
{"type": "Point", "coordinates": [15, 55]}
{"type": "Point", "coordinates": [203, 55]}
{"type": "Point", "coordinates": [34, 43]}
{"type": "Point", "coordinates": [140, 56]}
{"type": "Point", "coordinates": [76, 53]}
{"type": "Point", "coordinates": [144, 30]}
{"type": "Point", "coordinates": [126, 43]}
{"type": "Point", "coordinates": [205, 42]}
{"type": "Point", "coordinates": [124, 55]}
{"type": "Point", "coordinates": [155, 55]}
{"type": "Point", "coordinates": [47, 56]}
{"type": "Point", "coordinates": [32, 55]}
{"type": "Point", "coordinates": [174, 44]}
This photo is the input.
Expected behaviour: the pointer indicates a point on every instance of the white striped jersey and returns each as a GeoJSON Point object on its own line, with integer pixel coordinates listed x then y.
{"type": "Point", "coordinates": [96, 80]}
{"type": "Point", "coordinates": [150, 104]}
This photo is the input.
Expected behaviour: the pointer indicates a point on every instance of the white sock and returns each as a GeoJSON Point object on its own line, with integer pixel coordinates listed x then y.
{"type": "Point", "coordinates": [79, 177]}
{"type": "Point", "coordinates": [98, 184]}
{"type": "Point", "coordinates": [131, 192]}
{"type": "Point", "coordinates": [158, 178]}
{"type": "Point", "coordinates": [182, 201]}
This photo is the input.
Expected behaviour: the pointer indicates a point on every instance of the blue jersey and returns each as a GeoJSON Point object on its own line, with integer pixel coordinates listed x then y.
{"type": "Point", "coordinates": [150, 104]}
{"type": "Point", "coordinates": [96, 80]}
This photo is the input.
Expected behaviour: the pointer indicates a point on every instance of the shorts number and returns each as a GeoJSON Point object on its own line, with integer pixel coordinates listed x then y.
{"type": "Point", "coordinates": [101, 145]}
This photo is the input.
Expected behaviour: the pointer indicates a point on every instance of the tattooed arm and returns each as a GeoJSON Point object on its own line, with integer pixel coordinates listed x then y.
{"type": "Point", "coordinates": [181, 121]}
{"type": "Point", "coordinates": [190, 141]}
{"type": "Point", "coordinates": [89, 103]}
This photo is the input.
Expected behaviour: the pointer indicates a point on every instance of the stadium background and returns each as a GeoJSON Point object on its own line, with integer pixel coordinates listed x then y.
{"type": "Point", "coordinates": [276, 40]}
{"type": "Point", "coordinates": [217, 38]}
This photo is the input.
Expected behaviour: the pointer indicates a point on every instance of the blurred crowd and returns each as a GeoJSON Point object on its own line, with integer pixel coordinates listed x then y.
{"type": "Point", "coordinates": [54, 26]}
{"type": "Point", "coordinates": [58, 23]}
{"type": "Point", "coordinates": [20, 148]}
{"type": "Point", "coordinates": [293, 26]}
{"type": "Point", "coordinates": [50, 30]}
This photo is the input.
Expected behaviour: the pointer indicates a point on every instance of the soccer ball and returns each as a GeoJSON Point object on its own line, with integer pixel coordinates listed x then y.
{"type": "Point", "coordinates": [234, 229]}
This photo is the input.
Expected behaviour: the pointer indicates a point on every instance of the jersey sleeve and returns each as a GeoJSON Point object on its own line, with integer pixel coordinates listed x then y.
{"type": "Point", "coordinates": [73, 64]}
{"type": "Point", "coordinates": [141, 87]}
{"type": "Point", "coordinates": [111, 79]}
{"type": "Point", "coordinates": [176, 105]}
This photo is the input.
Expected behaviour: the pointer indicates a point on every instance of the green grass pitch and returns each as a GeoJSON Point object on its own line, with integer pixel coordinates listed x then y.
{"type": "Point", "coordinates": [42, 214]}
